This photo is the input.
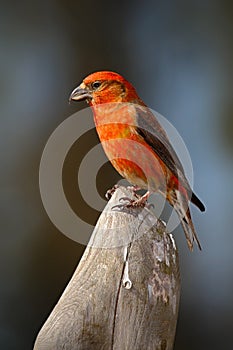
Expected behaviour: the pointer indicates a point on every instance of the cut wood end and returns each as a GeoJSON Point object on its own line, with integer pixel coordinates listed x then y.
{"type": "Point", "coordinates": [119, 225]}
{"type": "Point", "coordinates": [126, 296]}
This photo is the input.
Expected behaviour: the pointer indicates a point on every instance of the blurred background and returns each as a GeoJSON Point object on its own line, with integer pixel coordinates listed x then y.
{"type": "Point", "coordinates": [178, 55]}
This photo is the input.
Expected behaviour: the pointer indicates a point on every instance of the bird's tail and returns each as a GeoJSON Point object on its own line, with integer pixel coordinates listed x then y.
{"type": "Point", "coordinates": [189, 230]}
{"type": "Point", "coordinates": [180, 203]}
{"type": "Point", "coordinates": [195, 200]}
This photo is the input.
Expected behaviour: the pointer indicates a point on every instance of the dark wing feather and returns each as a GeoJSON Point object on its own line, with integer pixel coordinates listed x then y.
{"type": "Point", "coordinates": [153, 133]}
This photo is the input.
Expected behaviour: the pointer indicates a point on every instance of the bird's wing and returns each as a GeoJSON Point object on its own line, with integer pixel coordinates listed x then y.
{"type": "Point", "coordinates": [155, 136]}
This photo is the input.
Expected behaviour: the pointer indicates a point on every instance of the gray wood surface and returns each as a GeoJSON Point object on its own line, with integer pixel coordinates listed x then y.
{"type": "Point", "coordinates": [125, 291]}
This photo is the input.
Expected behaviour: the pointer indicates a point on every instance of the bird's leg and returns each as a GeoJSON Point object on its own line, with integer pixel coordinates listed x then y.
{"type": "Point", "coordinates": [136, 203]}
{"type": "Point", "coordinates": [140, 202]}
{"type": "Point", "coordinates": [110, 192]}
{"type": "Point", "coordinates": [134, 189]}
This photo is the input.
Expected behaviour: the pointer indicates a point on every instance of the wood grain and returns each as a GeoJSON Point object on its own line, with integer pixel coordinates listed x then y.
{"type": "Point", "coordinates": [99, 309]}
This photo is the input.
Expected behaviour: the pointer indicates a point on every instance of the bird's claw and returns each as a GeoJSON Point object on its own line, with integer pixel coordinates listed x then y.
{"type": "Point", "coordinates": [134, 188]}
{"type": "Point", "coordinates": [134, 203]}
{"type": "Point", "coordinates": [125, 199]}
{"type": "Point", "coordinates": [139, 202]}
{"type": "Point", "coordinates": [110, 192]}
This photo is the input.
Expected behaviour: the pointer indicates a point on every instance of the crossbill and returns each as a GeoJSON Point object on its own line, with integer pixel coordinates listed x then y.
{"type": "Point", "coordinates": [137, 145]}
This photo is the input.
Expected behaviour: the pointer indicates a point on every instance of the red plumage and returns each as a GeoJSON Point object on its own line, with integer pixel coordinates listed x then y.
{"type": "Point", "coordinates": [136, 143]}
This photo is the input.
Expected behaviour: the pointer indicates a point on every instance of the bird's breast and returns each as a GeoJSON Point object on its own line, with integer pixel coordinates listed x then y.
{"type": "Point", "coordinates": [131, 156]}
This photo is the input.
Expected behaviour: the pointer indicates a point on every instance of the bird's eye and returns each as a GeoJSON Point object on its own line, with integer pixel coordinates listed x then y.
{"type": "Point", "coordinates": [95, 85]}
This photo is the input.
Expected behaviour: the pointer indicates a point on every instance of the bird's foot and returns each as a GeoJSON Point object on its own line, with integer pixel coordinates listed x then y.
{"type": "Point", "coordinates": [110, 192]}
{"type": "Point", "coordinates": [136, 203]}
{"type": "Point", "coordinates": [134, 189]}
{"type": "Point", "coordinates": [133, 203]}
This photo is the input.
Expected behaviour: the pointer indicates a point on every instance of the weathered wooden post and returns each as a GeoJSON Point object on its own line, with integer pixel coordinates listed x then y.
{"type": "Point", "coordinates": [124, 294]}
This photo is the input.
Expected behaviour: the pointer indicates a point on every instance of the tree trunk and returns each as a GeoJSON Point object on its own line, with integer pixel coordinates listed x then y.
{"type": "Point", "coordinates": [124, 294]}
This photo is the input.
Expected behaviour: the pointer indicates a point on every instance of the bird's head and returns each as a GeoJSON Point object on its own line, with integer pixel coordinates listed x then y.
{"type": "Point", "coordinates": [104, 87]}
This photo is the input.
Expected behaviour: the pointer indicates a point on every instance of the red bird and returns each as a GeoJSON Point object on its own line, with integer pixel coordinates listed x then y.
{"type": "Point", "coordinates": [137, 145]}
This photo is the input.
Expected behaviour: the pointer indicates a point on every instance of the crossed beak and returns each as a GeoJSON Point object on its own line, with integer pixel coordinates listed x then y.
{"type": "Point", "coordinates": [80, 94]}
